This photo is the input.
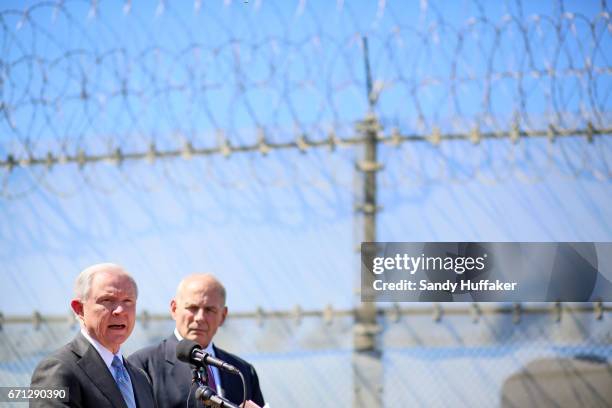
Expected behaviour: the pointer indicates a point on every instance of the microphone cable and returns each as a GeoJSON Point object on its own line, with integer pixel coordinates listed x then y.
{"type": "Point", "coordinates": [189, 395]}
{"type": "Point", "coordinates": [244, 390]}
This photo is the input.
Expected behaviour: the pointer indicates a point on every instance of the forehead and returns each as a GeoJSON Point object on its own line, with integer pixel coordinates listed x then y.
{"type": "Point", "coordinates": [111, 282]}
{"type": "Point", "coordinates": [201, 293]}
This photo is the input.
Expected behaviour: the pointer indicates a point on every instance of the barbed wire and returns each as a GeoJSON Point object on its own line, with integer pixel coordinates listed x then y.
{"type": "Point", "coordinates": [85, 83]}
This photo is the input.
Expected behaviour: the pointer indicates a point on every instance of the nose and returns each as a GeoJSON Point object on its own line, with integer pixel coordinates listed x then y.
{"type": "Point", "coordinates": [199, 316]}
{"type": "Point", "coordinates": [118, 309]}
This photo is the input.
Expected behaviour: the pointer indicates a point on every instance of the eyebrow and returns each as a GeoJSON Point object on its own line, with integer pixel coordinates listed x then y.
{"type": "Point", "coordinates": [114, 296]}
{"type": "Point", "coordinates": [189, 304]}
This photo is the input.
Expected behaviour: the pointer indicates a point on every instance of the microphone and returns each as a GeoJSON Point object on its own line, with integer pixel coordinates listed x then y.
{"type": "Point", "coordinates": [191, 352]}
{"type": "Point", "coordinates": [206, 394]}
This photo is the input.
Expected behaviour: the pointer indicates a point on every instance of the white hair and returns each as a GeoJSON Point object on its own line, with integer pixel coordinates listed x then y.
{"type": "Point", "coordinates": [207, 279]}
{"type": "Point", "coordinates": [82, 284]}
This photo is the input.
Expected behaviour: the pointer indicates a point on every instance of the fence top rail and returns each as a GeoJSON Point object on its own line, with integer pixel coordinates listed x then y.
{"type": "Point", "coordinates": [392, 312]}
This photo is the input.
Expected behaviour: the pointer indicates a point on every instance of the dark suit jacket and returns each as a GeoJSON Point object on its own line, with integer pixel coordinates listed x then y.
{"type": "Point", "coordinates": [79, 367]}
{"type": "Point", "coordinates": [171, 378]}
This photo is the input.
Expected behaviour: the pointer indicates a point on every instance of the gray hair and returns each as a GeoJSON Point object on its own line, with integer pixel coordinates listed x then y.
{"type": "Point", "coordinates": [82, 284]}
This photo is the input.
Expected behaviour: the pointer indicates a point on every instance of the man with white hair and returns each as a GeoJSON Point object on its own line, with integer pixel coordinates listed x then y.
{"type": "Point", "coordinates": [91, 367]}
{"type": "Point", "coordinates": [199, 310]}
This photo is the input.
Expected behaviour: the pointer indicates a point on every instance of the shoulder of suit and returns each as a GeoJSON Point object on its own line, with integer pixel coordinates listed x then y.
{"type": "Point", "coordinates": [60, 365]}
{"type": "Point", "coordinates": [139, 370]}
{"type": "Point", "coordinates": [154, 351]}
{"type": "Point", "coordinates": [226, 355]}
{"type": "Point", "coordinates": [66, 353]}
{"type": "Point", "coordinates": [57, 358]}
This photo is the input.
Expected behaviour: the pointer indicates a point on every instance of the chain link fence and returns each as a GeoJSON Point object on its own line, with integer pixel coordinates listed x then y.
{"type": "Point", "coordinates": [303, 357]}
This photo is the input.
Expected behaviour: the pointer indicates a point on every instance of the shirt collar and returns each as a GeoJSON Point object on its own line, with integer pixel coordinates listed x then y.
{"type": "Point", "coordinates": [105, 353]}
{"type": "Point", "coordinates": [209, 349]}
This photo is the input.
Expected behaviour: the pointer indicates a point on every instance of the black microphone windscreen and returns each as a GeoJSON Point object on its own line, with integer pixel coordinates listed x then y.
{"type": "Point", "coordinates": [184, 348]}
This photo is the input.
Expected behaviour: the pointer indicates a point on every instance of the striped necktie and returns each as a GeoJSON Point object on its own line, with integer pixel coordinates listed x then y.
{"type": "Point", "coordinates": [211, 379]}
{"type": "Point", "coordinates": [123, 381]}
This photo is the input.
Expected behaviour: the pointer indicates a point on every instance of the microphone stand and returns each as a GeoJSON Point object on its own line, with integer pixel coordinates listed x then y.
{"type": "Point", "coordinates": [207, 395]}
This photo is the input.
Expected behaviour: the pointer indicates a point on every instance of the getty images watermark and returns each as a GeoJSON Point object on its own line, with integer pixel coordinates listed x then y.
{"type": "Point", "coordinates": [486, 271]}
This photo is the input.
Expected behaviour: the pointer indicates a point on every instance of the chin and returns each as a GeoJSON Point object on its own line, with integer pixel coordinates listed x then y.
{"type": "Point", "coordinates": [202, 341]}
{"type": "Point", "coordinates": [120, 337]}
{"type": "Point", "coordinates": [119, 340]}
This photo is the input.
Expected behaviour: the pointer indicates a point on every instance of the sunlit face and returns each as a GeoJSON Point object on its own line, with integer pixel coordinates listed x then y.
{"type": "Point", "coordinates": [109, 312]}
{"type": "Point", "coordinates": [199, 310]}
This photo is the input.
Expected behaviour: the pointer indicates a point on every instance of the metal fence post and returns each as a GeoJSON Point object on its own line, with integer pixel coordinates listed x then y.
{"type": "Point", "coordinates": [367, 363]}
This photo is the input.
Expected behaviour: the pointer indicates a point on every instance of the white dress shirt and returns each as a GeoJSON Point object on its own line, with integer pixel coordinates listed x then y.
{"type": "Point", "coordinates": [105, 353]}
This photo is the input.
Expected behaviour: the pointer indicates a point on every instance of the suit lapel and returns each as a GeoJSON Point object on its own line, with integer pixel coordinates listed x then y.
{"type": "Point", "coordinates": [172, 367]}
{"type": "Point", "coordinates": [178, 371]}
{"type": "Point", "coordinates": [93, 366]}
{"type": "Point", "coordinates": [140, 388]}
{"type": "Point", "coordinates": [170, 350]}
{"type": "Point", "coordinates": [231, 384]}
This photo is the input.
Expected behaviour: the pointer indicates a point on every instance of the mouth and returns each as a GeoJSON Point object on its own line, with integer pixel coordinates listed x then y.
{"type": "Point", "coordinates": [197, 330]}
{"type": "Point", "coordinates": [117, 326]}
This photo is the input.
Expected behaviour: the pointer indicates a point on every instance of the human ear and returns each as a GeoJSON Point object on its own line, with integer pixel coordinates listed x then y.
{"type": "Point", "coordinates": [224, 315]}
{"type": "Point", "coordinates": [77, 308]}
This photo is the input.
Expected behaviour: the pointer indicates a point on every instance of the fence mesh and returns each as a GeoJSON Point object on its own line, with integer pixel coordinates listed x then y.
{"type": "Point", "coordinates": [304, 361]}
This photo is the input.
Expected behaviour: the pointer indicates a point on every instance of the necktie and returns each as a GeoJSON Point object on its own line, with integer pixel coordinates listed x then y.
{"type": "Point", "coordinates": [123, 381]}
{"type": "Point", "coordinates": [211, 379]}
